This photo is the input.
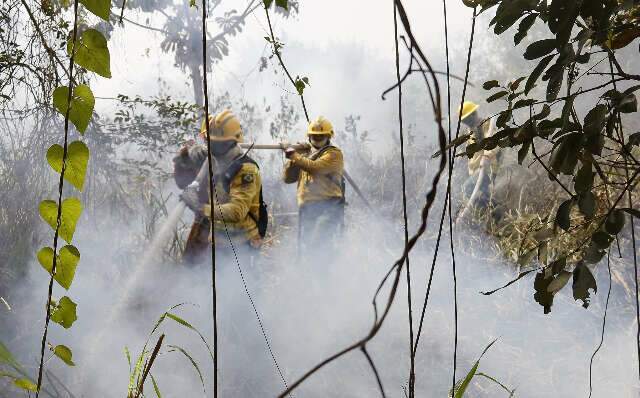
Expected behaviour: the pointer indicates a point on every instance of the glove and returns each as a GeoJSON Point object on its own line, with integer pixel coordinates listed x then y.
{"type": "Point", "coordinates": [288, 153]}
{"type": "Point", "coordinates": [190, 198]}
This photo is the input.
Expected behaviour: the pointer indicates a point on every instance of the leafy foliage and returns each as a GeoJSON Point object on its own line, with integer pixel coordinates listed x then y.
{"type": "Point", "coordinates": [462, 385]}
{"type": "Point", "coordinates": [581, 147]}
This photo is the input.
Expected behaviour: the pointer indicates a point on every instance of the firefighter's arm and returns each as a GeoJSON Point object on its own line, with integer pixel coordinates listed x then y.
{"type": "Point", "coordinates": [187, 164]}
{"type": "Point", "coordinates": [329, 162]}
{"type": "Point", "coordinates": [242, 192]}
{"type": "Point", "coordinates": [291, 173]}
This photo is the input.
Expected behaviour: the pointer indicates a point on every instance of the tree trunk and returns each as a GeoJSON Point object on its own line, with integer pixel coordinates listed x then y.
{"type": "Point", "coordinates": [196, 80]}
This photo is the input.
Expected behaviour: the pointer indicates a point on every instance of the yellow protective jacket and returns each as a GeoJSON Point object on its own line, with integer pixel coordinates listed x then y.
{"type": "Point", "coordinates": [319, 174]}
{"type": "Point", "coordinates": [238, 208]}
{"type": "Point", "coordinates": [485, 130]}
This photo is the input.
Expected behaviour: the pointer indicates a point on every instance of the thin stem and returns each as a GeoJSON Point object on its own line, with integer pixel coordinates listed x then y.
{"type": "Point", "coordinates": [604, 325]}
{"type": "Point", "coordinates": [412, 358]}
{"type": "Point", "coordinates": [60, 188]}
{"type": "Point", "coordinates": [214, 292]}
{"type": "Point", "coordinates": [276, 51]}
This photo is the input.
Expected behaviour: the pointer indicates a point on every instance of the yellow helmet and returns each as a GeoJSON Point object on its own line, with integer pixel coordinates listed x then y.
{"type": "Point", "coordinates": [468, 108]}
{"type": "Point", "coordinates": [320, 126]}
{"type": "Point", "coordinates": [224, 126]}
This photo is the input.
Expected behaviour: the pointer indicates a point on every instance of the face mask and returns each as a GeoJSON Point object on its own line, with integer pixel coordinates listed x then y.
{"type": "Point", "coordinates": [219, 148]}
{"type": "Point", "coordinates": [319, 142]}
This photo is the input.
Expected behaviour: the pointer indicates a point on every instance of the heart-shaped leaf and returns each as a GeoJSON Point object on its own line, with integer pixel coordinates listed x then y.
{"type": "Point", "coordinates": [71, 209]}
{"type": "Point", "coordinates": [91, 52]}
{"type": "Point", "coordinates": [63, 352]}
{"type": "Point", "coordinates": [77, 159]}
{"type": "Point", "coordinates": [66, 263]}
{"type": "Point", "coordinates": [100, 8]}
{"type": "Point", "coordinates": [64, 312]}
{"type": "Point", "coordinates": [82, 102]}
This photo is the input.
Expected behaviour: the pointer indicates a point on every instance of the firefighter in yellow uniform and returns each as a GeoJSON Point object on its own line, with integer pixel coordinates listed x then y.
{"type": "Point", "coordinates": [238, 211]}
{"type": "Point", "coordinates": [483, 165]}
{"type": "Point", "coordinates": [320, 195]}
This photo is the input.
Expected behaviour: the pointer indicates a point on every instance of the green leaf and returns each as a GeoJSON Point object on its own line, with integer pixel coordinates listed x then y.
{"type": "Point", "coordinates": [614, 222]}
{"type": "Point", "coordinates": [628, 104]}
{"type": "Point", "coordinates": [513, 86]}
{"type": "Point", "coordinates": [592, 254]}
{"type": "Point", "coordinates": [77, 159]}
{"type": "Point", "coordinates": [601, 239]}
{"type": "Point", "coordinates": [64, 353]}
{"type": "Point", "coordinates": [583, 281]}
{"type": "Point", "coordinates": [188, 325]}
{"type": "Point", "coordinates": [488, 85]}
{"type": "Point", "coordinates": [537, 71]}
{"type": "Point", "coordinates": [193, 362]}
{"type": "Point", "coordinates": [267, 3]}
{"type": "Point", "coordinates": [497, 95]}
{"type": "Point", "coordinates": [635, 213]}
{"type": "Point", "coordinates": [555, 83]}
{"type": "Point", "coordinates": [71, 209]}
{"type": "Point", "coordinates": [25, 384]}
{"type": "Point", "coordinates": [584, 178]}
{"type": "Point", "coordinates": [523, 28]}
{"type": "Point", "coordinates": [283, 3]}
{"type": "Point", "coordinates": [559, 282]}
{"type": "Point", "coordinates": [301, 83]}
{"type": "Point", "coordinates": [523, 103]}
{"type": "Point", "coordinates": [91, 52]}
{"type": "Point", "coordinates": [6, 356]}
{"type": "Point", "coordinates": [542, 295]}
{"type": "Point", "coordinates": [66, 264]}
{"type": "Point", "coordinates": [503, 118]}
{"type": "Point", "coordinates": [64, 313]}
{"type": "Point", "coordinates": [101, 8]}
{"type": "Point", "coordinates": [523, 152]}
{"type": "Point", "coordinates": [595, 120]}
{"type": "Point", "coordinates": [562, 16]}
{"type": "Point", "coordinates": [82, 103]}
{"type": "Point", "coordinates": [461, 386]}
{"type": "Point", "coordinates": [539, 48]}
{"type": "Point", "coordinates": [508, 13]}
{"type": "Point", "coordinates": [563, 218]}
{"type": "Point", "coordinates": [566, 111]}
{"type": "Point", "coordinates": [546, 110]}
{"type": "Point", "coordinates": [565, 156]}
{"type": "Point", "coordinates": [587, 204]}
{"type": "Point", "coordinates": [155, 387]}
{"type": "Point", "coordinates": [128, 355]}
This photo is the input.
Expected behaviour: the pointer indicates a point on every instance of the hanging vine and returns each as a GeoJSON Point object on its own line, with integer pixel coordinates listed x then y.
{"type": "Point", "coordinates": [87, 49]}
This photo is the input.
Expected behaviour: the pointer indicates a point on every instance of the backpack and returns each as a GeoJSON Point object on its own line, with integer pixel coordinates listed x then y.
{"type": "Point", "coordinates": [263, 216]}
